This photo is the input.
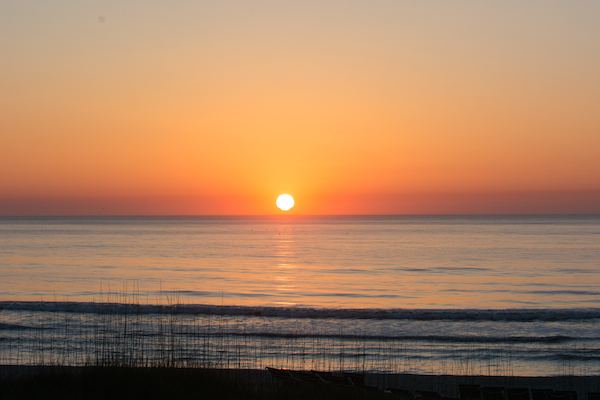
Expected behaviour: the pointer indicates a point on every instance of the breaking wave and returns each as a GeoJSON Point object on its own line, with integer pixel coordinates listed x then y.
{"type": "Point", "coordinates": [508, 315]}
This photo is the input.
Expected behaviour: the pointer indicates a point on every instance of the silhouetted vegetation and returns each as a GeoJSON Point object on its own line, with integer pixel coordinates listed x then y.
{"type": "Point", "coordinates": [171, 383]}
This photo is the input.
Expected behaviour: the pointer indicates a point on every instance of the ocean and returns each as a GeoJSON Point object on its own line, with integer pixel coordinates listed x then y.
{"type": "Point", "coordinates": [487, 295]}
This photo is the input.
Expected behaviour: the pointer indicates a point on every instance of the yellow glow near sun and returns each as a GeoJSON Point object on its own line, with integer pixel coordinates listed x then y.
{"type": "Point", "coordinates": [285, 202]}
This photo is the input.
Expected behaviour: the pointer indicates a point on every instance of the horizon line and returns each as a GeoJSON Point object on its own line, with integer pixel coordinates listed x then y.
{"type": "Point", "coordinates": [299, 215]}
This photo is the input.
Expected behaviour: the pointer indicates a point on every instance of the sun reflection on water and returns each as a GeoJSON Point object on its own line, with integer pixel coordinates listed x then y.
{"type": "Point", "coordinates": [285, 267]}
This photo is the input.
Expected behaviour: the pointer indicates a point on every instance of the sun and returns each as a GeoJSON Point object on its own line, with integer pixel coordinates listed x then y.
{"type": "Point", "coordinates": [285, 202]}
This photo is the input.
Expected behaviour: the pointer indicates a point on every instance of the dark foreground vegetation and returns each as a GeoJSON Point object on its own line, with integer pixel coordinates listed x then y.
{"type": "Point", "coordinates": [170, 383]}
{"type": "Point", "coordinates": [59, 382]}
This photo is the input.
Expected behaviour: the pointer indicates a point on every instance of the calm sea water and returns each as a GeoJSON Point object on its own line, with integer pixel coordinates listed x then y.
{"type": "Point", "coordinates": [340, 262]}
{"type": "Point", "coordinates": [429, 294]}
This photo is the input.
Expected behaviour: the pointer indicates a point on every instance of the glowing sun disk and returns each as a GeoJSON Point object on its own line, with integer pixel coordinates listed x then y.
{"type": "Point", "coordinates": [285, 202]}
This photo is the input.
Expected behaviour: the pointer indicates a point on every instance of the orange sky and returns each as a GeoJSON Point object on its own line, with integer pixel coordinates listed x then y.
{"type": "Point", "coordinates": [361, 107]}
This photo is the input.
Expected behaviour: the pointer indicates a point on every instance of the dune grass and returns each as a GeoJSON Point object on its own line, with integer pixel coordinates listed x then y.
{"type": "Point", "coordinates": [118, 332]}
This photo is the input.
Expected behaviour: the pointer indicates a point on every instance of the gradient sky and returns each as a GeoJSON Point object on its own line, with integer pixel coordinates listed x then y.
{"type": "Point", "coordinates": [353, 107]}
